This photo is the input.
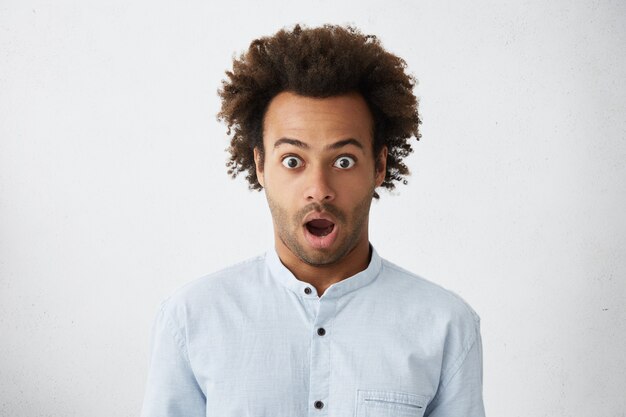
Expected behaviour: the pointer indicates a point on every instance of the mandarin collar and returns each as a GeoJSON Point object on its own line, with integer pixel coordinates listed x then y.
{"type": "Point", "coordinates": [283, 275]}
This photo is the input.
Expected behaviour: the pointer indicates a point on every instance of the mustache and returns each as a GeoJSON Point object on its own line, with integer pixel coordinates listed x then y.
{"type": "Point", "coordinates": [329, 208]}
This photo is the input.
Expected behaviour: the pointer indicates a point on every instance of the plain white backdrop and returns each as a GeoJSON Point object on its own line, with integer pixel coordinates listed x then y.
{"type": "Point", "coordinates": [113, 186]}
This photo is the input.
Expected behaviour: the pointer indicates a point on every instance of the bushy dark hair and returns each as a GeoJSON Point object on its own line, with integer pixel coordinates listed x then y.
{"type": "Point", "coordinates": [319, 62]}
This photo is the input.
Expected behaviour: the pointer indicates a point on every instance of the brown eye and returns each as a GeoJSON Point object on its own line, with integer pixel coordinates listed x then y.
{"type": "Point", "coordinates": [345, 162]}
{"type": "Point", "coordinates": [292, 162]}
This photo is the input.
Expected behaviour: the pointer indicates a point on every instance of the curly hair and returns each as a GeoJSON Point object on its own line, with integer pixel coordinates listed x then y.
{"type": "Point", "coordinates": [319, 62]}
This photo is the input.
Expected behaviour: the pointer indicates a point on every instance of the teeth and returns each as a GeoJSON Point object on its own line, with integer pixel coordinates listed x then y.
{"type": "Point", "coordinates": [327, 231]}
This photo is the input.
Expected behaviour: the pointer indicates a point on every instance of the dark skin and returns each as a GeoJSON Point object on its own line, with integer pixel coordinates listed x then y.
{"type": "Point", "coordinates": [319, 161]}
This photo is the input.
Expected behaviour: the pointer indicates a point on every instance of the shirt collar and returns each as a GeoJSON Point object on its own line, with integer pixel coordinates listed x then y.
{"type": "Point", "coordinates": [283, 275]}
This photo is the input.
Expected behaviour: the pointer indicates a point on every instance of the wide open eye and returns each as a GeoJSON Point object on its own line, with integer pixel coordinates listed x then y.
{"type": "Point", "coordinates": [345, 162]}
{"type": "Point", "coordinates": [292, 162]}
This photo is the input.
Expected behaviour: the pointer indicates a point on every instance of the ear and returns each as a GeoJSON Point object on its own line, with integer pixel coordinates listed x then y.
{"type": "Point", "coordinates": [258, 162]}
{"type": "Point", "coordinates": [381, 166]}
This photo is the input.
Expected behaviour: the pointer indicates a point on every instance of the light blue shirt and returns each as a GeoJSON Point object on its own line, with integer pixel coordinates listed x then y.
{"type": "Point", "coordinates": [253, 340]}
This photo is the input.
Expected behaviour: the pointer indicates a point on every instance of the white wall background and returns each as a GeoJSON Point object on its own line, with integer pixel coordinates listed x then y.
{"type": "Point", "coordinates": [114, 192]}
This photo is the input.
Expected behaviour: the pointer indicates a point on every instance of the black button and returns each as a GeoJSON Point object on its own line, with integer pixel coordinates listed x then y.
{"type": "Point", "coordinates": [319, 404]}
{"type": "Point", "coordinates": [321, 331]}
{"type": "Point", "coordinates": [307, 290]}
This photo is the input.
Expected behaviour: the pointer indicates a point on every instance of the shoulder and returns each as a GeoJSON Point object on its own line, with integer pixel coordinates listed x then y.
{"type": "Point", "coordinates": [448, 319]}
{"type": "Point", "coordinates": [428, 295]}
{"type": "Point", "coordinates": [213, 286]}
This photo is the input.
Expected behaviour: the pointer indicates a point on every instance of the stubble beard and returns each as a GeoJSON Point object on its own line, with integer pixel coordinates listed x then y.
{"type": "Point", "coordinates": [290, 228]}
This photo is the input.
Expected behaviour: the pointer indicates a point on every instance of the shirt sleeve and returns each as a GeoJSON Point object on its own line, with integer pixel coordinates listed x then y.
{"type": "Point", "coordinates": [461, 394]}
{"type": "Point", "coordinates": [172, 389]}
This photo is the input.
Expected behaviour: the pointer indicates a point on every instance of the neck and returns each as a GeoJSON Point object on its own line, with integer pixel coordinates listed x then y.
{"type": "Point", "coordinates": [323, 276]}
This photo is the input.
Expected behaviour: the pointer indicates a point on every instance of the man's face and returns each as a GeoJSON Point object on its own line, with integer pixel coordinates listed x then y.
{"type": "Point", "coordinates": [319, 173]}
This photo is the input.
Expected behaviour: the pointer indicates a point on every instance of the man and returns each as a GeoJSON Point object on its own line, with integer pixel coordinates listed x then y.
{"type": "Point", "coordinates": [320, 325]}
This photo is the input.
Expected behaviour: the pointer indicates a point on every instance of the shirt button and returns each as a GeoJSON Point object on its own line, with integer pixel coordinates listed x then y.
{"type": "Point", "coordinates": [319, 404]}
{"type": "Point", "coordinates": [307, 290]}
{"type": "Point", "coordinates": [321, 331]}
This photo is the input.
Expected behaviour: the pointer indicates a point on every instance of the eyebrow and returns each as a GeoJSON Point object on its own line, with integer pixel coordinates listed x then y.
{"type": "Point", "coordinates": [332, 146]}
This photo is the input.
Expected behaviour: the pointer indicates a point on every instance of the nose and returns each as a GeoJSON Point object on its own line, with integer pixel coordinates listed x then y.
{"type": "Point", "coordinates": [318, 187]}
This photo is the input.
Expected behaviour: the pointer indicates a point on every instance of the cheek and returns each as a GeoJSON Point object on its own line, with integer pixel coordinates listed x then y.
{"type": "Point", "coordinates": [285, 185]}
{"type": "Point", "coordinates": [274, 174]}
{"type": "Point", "coordinates": [281, 197]}
{"type": "Point", "coordinates": [359, 182]}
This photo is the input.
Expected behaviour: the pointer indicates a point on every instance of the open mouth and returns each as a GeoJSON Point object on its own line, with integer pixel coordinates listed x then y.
{"type": "Point", "coordinates": [320, 227]}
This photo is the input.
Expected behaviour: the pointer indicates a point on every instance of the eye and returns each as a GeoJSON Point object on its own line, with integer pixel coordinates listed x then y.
{"type": "Point", "coordinates": [345, 162]}
{"type": "Point", "coordinates": [292, 162]}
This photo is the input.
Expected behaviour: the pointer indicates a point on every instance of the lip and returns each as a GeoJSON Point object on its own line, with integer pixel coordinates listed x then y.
{"type": "Point", "coordinates": [317, 216]}
{"type": "Point", "coordinates": [320, 242]}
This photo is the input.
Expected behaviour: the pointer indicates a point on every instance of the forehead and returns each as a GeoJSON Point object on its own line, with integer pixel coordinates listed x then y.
{"type": "Point", "coordinates": [317, 121]}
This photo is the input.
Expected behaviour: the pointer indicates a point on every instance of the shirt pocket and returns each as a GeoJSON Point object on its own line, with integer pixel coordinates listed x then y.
{"type": "Point", "coordinates": [376, 403]}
